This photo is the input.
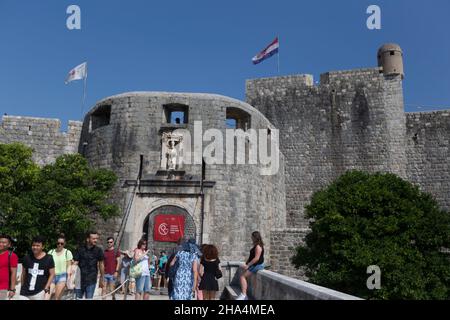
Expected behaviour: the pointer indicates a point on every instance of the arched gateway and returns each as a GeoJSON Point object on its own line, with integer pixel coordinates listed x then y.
{"type": "Point", "coordinates": [165, 225]}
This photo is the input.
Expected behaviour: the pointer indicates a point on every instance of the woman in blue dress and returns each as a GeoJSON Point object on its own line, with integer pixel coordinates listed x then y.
{"type": "Point", "coordinates": [186, 277]}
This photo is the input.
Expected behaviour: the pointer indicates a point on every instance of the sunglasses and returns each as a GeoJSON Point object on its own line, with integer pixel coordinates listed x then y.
{"type": "Point", "coordinates": [60, 243]}
{"type": "Point", "coordinates": [110, 241]}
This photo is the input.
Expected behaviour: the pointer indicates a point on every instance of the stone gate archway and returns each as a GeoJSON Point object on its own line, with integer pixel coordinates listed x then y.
{"type": "Point", "coordinates": [157, 246]}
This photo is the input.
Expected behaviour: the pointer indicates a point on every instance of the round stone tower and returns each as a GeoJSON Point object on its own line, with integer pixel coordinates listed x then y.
{"type": "Point", "coordinates": [135, 134]}
{"type": "Point", "coordinates": [390, 57]}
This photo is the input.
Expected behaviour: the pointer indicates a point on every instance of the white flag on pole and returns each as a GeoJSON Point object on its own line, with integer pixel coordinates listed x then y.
{"type": "Point", "coordinates": [77, 73]}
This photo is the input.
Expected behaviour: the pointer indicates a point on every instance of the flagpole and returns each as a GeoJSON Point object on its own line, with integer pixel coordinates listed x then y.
{"type": "Point", "coordinates": [278, 56]}
{"type": "Point", "coordinates": [83, 102]}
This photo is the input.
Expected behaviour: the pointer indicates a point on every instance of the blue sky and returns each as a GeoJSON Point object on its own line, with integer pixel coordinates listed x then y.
{"type": "Point", "coordinates": [207, 46]}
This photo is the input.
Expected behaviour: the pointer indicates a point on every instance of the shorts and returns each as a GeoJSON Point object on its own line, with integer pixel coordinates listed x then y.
{"type": "Point", "coordinates": [255, 268]}
{"type": "Point", "coordinates": [109, 278]}
{"type": "Point", "coordinates": [143, 284]}
{"type": "Point", "coordinates": [60, 278]}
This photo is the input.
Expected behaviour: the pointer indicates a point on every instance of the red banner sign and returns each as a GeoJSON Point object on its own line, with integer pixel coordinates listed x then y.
{"type": "Point", "coordinates": [168, 228]}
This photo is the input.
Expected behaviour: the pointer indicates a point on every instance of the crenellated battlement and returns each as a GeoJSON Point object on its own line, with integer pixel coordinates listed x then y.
{"type": "Point", "coordinates": [44, 135]}
{"type": "Point", "coordinates": [365, 74]}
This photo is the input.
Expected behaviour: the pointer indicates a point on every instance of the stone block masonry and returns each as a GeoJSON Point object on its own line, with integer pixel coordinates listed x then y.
{"type": "Point", "coordinates": [428, 152]}
{"type": "Point", "coordinates": [43, 135]}
{"type": "Point", "coordinates": [351, 120]}
{"type": "Point", "coordinates": [284, 243]}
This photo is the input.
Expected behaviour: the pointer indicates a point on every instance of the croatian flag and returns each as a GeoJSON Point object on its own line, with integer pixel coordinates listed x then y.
{"type": "Point", "coordinates": [269, 51]}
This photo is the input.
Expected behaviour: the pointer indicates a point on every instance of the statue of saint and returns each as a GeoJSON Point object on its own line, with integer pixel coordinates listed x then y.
{"type": "Point", "coordinates": [171, 157]}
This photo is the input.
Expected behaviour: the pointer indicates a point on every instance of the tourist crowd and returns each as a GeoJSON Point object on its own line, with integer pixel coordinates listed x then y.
{"type": "Point", "coordinates": [187, 272]}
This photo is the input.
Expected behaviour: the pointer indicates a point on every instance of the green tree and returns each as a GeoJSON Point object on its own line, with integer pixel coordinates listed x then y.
{"type": "Point", "coordinates": [64, 197]}
{"type": "Point", "coordinates": [18, 176]}
{"type": "Point", "coordinates": [365, 219]}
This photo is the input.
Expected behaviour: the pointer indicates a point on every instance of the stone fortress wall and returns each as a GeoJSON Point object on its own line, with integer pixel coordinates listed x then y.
{"type": "Point", "coordinates": [428, 153]}
{"type": "Point", "coordinates": [351, 120]}
{"type": "Point", "coordinates": [41, 134]}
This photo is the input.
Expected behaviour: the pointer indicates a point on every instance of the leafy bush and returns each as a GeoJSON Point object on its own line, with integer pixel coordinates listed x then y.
{"type": "Point", "coordinates": [64, 197]}
{"type": "Point", "coordinates": [365, 219]}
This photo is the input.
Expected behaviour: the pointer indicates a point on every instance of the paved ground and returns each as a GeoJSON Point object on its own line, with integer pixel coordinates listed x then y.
{"type": "Point", "coordinates": [154, 295]}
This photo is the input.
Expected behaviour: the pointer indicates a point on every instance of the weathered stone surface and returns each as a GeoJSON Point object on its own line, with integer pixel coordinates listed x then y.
{"type": "Point", "coordinates": [41, 134]}
{"type": "Point", "coordinates": [284, 242]}
{"type": "Point", "coordinates": [428, 152]}
{"type": "Point", "coordinates": [351, 120]}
